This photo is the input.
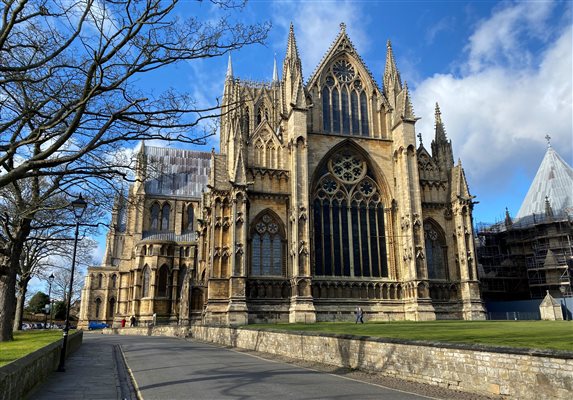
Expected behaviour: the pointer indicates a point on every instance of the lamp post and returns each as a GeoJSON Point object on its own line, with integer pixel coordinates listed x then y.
{"type": "Point", "coordinates": [50, 281]}
{"type": "Point", "coordinates": [79, 205]}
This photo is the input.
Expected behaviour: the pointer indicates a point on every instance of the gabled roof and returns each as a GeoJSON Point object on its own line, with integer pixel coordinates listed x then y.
{"type": "Point", "coordinates": [341, 44]}
{"type": "Point", "coordinates": [554, 180]}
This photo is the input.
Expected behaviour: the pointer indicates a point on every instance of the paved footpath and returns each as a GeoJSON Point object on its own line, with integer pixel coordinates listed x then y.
{"type": "Point", "coordinates": [91, 373]}
{"type": "Point", "coordinates": [171, 368]}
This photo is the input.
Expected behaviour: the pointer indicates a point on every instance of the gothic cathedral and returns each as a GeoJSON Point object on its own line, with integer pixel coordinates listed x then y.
{"type": "Point", "coordinates": [319, 201]}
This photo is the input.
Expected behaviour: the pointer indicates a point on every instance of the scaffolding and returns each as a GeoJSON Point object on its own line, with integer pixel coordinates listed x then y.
{"type": "Point", "coordinates": [526, 259]}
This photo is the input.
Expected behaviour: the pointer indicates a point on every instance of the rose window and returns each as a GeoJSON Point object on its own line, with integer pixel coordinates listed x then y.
{"type": "Point", "coordinates": [348, 167]}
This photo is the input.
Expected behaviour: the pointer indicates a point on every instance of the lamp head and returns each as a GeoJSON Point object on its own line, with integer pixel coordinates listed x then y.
{"type": "Point", "coordinates": [79, 206]}
{"type": "Point", "coordinates": [51, 278]}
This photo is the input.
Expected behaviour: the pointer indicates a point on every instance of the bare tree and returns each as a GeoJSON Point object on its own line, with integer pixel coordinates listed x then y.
{"type": "Point", "coordinates": [40, 207]}
{"type": "Point", "coordinates": [46, 252]}
{"type": "Point", "coordinates": [69, 100]}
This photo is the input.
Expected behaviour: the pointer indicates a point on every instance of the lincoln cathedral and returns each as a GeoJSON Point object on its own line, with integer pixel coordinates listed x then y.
{"type": "Point", "coordinates": [319, 200]}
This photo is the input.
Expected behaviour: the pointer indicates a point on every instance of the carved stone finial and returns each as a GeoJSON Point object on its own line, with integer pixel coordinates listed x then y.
{"type": "Point", "coordinates": [343, 27]}
{"type": "Point", "coordinates": [420, 137]}
{"type": "Point", "coordinates": [548, 138]}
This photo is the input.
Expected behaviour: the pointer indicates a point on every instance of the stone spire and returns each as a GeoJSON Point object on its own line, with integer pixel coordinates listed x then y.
{"type": "Point", "coordinates": [292, 50]}
{"type": "Point", "coordinates": [292, 75]}
{"type": "Point", "coordinates": [391, 79]}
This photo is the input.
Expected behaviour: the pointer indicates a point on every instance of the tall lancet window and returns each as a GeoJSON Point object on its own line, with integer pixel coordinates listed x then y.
{"type": "Point", "coordinates": [348, 220]}
{"type": "Point", "coordinates": [344, 101]}
{"type": "Point", "coordinates": [267, 246]}
{"type": "Point", "coordinates": [435, 251]}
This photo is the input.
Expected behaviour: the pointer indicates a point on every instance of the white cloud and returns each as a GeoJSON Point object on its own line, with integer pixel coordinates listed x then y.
{"type": "Point", "coordinates": [316, 25]}
{"type": "Point", "coordinates": [499, 39]}
{"type": "Point", "coordinates": [499, 111]}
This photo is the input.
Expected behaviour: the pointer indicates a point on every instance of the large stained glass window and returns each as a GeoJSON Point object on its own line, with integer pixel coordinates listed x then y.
{"type": "Point", "coordinates": [267, 247]}
{"type": "Point", "coordinates": [344, 101]}
{"type": "Point", "coordinates": [348, 218]}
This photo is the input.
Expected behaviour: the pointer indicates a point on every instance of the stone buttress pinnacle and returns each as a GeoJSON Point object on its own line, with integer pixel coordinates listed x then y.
{"type": "Point", "coordinates": [439, 125]}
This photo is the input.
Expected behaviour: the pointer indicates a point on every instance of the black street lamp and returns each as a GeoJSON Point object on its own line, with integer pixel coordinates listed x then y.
{"type": "Point", "coordinates": [50, 281]}
{"type": "Point", "coordinates": [79, 205]}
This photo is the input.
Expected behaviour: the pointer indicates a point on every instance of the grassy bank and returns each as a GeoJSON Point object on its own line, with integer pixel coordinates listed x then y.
{"type": "Point", "coordinates": [554, 335]}
{"type": "Point", "coordinates": [26, 342]}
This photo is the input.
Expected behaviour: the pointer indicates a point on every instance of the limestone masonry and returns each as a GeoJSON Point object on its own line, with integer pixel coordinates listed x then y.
{"type": "Point", "coordinates": [319, 201]}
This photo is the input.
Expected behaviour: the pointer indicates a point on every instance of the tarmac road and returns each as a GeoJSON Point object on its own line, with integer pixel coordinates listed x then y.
{"type": "Point", "coordinates": [167, 368]}
{"type": "Point", "coordinates": [171, 368]}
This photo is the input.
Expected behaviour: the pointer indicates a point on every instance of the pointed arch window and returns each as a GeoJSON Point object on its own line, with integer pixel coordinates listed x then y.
{"type": "Point", "coordinates": [154, 217]}
{"type": "Point", "coordinates": [246, 121]}
{"type": "Point", "coordinates": [97, 307]}
{"type": "Point", "coordinates": [145, 281]}
{"type": "Point", "coordinates": [344, 101]}
{"type": "Point", "coordinates": [162, 281]}
{"type": "Point", "coordinates": [111, 311]}
{"type": "Point", "coordinates": [188, 217]}
{"type": "Point", "coordinates": [436, 251]}
{"type": "Point", "coordinates": [348, 220]}
{"type": "Point", "coordinates": [259, 152]}
{"type": "Point", "coordinates": [165, 212]}
{"type": "Point", "coordinates": [267, 246]}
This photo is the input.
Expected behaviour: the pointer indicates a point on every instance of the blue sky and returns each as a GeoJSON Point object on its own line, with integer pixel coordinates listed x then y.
{"type": "Point", "coordinates": [501, 72]}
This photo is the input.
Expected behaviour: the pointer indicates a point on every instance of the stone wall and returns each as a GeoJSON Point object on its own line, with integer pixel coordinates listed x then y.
{"type": "Point", "coordinates": [512, 373]}
{"type": "Point", "coordinates": [18, 378]}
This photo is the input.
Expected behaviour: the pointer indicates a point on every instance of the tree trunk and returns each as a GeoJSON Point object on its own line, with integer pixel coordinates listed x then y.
{"type": "Point", "coordinates": [8, 272]}
{"type": "Point", "coordinates": [21, 299]}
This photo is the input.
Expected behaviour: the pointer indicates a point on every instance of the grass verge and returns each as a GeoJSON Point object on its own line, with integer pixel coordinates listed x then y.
{"type": "Point", "coordinates": [26, 342]}
{"type": "Point", "coordinates": [552, 335]}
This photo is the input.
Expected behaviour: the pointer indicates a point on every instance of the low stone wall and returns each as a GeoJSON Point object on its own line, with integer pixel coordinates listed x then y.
{"type": "Point", "coordinates": [18, 378]}
{"type": "Point", "coordinates": [512, 373]}
{"type": "Point", "coordinates": [161, 330]}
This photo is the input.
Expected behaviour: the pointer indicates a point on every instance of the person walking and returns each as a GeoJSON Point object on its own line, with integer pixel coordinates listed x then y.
{"type": "Point", "coordinates": [154, 319]}
{"type": "Point", "coordinates": [123, 322]}
{"type": "Point", "coordinates": [132, 321]}
{"type": "Point", "coordinates": [359, 315]}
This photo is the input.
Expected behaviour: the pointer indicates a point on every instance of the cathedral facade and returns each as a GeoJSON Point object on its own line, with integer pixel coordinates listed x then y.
{"type": "Point", "coordinates": [318, 202]}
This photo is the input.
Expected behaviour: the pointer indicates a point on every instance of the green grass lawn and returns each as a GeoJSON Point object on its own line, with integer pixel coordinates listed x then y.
{"type": "Point", "coordinates": [555, 335]}
{"type": "Point", "coordinates": [26, 342]}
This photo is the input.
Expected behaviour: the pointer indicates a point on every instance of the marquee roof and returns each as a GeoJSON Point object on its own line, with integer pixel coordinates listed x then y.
{"type": "Point", "coordinates": [554, 180]}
